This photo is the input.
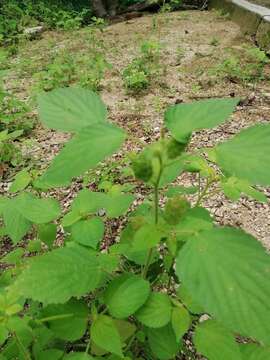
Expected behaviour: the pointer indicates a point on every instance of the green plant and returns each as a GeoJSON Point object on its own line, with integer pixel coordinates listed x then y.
{"type": "Point", "coordinates": [139, 73]}
{"type": "Point", "coordinates": [247, 64]}
{"type": "Point", "coordinates": [214, 42]}
{"type": "Point", "coordinates": [9, 152]}
{"type": "Point", "coordinates": [92, 70]}
{"type": "Point", "coordinates": [60, 73]}
{"type": "Point", "coordinates": [18, 14]}
{"type": "Point", "coordinates": [139, 297]}
{"type": "Point", "coordinates": [13, 113]}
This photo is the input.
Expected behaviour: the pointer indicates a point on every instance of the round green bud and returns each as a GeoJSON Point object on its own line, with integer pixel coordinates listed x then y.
{"type": "Point", "coordinates": [175, 148]}
{"type": "Point", "coordinates": [175, 208]}
{"type": "Point", "coordinates": [142, 167]}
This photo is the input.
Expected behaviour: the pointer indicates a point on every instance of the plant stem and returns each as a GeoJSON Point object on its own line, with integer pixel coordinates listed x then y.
{"type": "Point", "coordinates": [150, 253]}
{"type": "Point", "coordinates": [87, 347]}
{"type": "Point", "coordinates": [203, 193]}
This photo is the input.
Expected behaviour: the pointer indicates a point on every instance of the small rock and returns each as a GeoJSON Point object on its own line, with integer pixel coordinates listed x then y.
{"type": "Point", "coordinates": [204, 317]}
{"type": "Point", "coordinates": [34, 32]}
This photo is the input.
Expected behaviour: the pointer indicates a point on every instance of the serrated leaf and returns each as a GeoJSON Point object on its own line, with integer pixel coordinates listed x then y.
{"type": "Point", "coordinates": [183, 119]}
{"type": "Point", "coordinates": [163, 342]}
{"type": "Point", "coordinates": [3, 204]}
{"type": "Point", "coordinates": [187, 299]}
{"type": "Point", "coordinates": [38, 211]}
{"type": "Point", "coordinates": [88, 202]}
{"type": "Point", "coordinates": [88, 232]}
{"type": "Point", "coordinates": [78, 356]}
{"type": "Point", "coordinates": [3, 334]}
{"type": "Point", "coordinates": [16, 225]}
{"type": "Point", "coordinates": [22, 180]}
{"type": "Point", "coordinates": [126, 294]}
{"type": "Point", "coordinates": [71, 109]}
{"type": "Point", "coordinates": [13, 257]}
{"type": "Point", "coordinates": [118, 205]}
{"type": "Point", "coordinates": [105, 334]}
{"type": "Point", "coordinates": [71, 218]}
{"type": "Point", "coordinates": [84, 151]}
{"type": "Point", "coordinates": [125, 329]}
{"type": "Point", "coordinates": [73, 323]}
{"type": "Point", "coordinates": [181, 321]}
{"type": "Point", "coordinates": [171, 172]}
{"type": "Point", "coordinates": [216, 264]}
{"type": "Point", "coordinates": [176, 190]}
{"type": "Point", "coordinates": [211, 340]}
{"type": "Point", "coordinates": [156, 312]}
{"type": "Point", "coordinates": [247, 155]}
{"type": "Point", "coordinates": [254, 352]}
{"type": "Point", "coordinates": [146, 237]}
{"type": "Point", "coordinates": [59, 275]}
{"type": "Point", "coordinates": [47, 234]}
{"type": "Point", "coordinates": [52, 354]}
{"type": "Point", "coordinates": [23, 332]}
{"type": "Point", "coordinates": [194, 220]}
{"type": "Point", "coordinates": [233, 188]}
{"type": "Point", "coordinates": [34, 245]}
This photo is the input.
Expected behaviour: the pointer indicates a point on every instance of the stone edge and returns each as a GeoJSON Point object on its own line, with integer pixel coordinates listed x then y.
{"type": "Point", "coordinates": [253, 20]}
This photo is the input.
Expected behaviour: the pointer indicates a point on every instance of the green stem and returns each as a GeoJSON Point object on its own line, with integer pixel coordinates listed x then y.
{"type": "Point", "coordinates": [156, 202]}
{"type": "Point", "coordinates": [88, 346]}
{"type": "Point", "coordinates": [203, 193]}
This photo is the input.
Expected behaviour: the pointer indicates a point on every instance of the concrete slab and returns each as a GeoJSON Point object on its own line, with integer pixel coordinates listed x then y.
{"type": "Point", "coordinates": [253, 19]}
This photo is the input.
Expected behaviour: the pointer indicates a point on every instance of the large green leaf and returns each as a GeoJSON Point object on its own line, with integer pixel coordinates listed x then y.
{"type": "Point", "coordinates": [104, 333]}
{"type": "Point", "coordinates": [88, 202]}
{"type": "Point", "coordinates": [125, 329]}
{"type": "Point", "coordinates": [88, 232]}
{"type": "Point", "coordinates": [52, 354]}
{"type": "Point", "coordinates": [87, 148]}
{"type": "Point", "coordinates": [163, 342]}
{"type": "Point", "coordinates": [47, 234]}
{"type": "Point", "coordinates": [183, 119]}
{"type": "Point", "coordinates": [171, 171]}
{"type": "Point", "coordinates": [59, 275]}
{"type": "Point", "coordinates": [22, 180]}
{"type": "Point", "coordinates": [71, 109]}
{"type": "Point", "coordinates": [156, 312]}
{"type": "Point", "coordinates": [254, 352]}
{"type": "Point", "coordinates": [78, 356]}
{"type": "Point", "coordinates": [16, 225]}
{"type": "Point", "coordinates": [39, 211]}
{"type": "Point", "coordinates": [181, 321]}
{"type": "Point", "coordinates": [126, 294]}
{"type": "Point", "coordinates": [146, 237]}
{"type": "Point", "coordinates": [215, 342]}
{"type": "Point", "coordinates": [226, 271]}
{"type": "Point", "coordinates": [194, 220]}
{"type": "Point", "coordinates": [72, 321]}
{"type": "Point", "coordinates": [247, 155]}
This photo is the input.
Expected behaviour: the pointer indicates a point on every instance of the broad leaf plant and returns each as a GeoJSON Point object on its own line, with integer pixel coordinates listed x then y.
{"type": "Point", "coordinates": [174, 273]}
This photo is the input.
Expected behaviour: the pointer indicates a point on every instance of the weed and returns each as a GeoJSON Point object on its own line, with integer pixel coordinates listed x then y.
{"type": "Point", "coordinates": [60, 73]}
{"type": "Point", "coordinates": [245, 64]}
{"type": "Point", "coordinates": [139, 73]}
{"type": "Point", "coordinates": [140, 295]}
{"type": "Point", "coordinates": [214, 42]}
{"type": "Point", "coordinates": [92, 72]}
